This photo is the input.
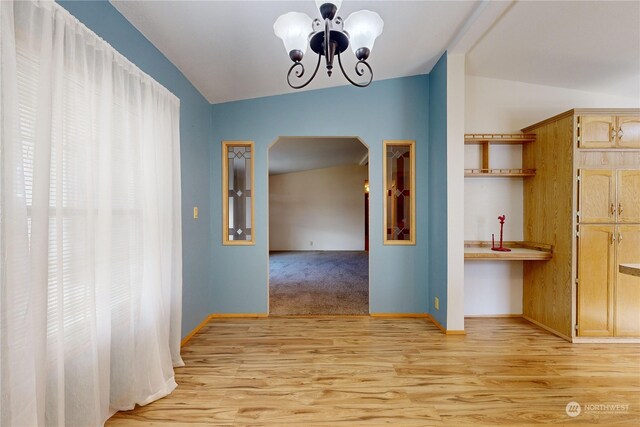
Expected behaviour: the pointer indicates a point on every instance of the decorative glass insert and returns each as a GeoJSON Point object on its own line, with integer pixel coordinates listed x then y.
{"type": "Point", "coordinates": [237, 193]}
{"type": "Point", "coordinates": [399, 193]}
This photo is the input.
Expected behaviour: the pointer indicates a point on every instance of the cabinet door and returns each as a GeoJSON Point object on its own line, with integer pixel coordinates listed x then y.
{"type": "Point", "coordinates": [597, 131]}
{"type": "Point", "coordinates": [595, 280]}
{"type": "Point", "coordinates": [596, 203]}
{"type": "Point", "coordinates": [628, 133]}
{"type": "Point", "coordinates": [628, 191]}
{"type": "Point", "coordinates": [627, 308]}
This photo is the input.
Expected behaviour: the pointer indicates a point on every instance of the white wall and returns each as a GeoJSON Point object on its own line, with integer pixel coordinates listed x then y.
{"type": "Point", "coordinates": [502, 106]}
{"type": "Point", "coordinates": [323, 206]}
{"type": "Point", "coordinates": [455, 186]}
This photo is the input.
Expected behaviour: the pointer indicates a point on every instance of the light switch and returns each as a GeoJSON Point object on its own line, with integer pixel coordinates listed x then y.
{"type": "Point", "coordinates": [195, 212]}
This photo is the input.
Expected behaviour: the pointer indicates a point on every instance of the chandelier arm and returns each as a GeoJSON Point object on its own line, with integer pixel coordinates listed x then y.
{"type": "Point", "coordinates": [359, 72]}
{"type": "Point", "coordinates": [300, 73]}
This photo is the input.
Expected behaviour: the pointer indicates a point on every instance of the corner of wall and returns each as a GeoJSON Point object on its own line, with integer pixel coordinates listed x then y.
{"type": "Point", "coordinates": [437, 223]}
{"type": "Point", "coordinates": [455, 190]}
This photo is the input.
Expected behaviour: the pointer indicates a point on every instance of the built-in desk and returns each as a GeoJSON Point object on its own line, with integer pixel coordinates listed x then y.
{"type": "Point", "coordinates": [520, 251]}
{"type": "Point", "coordinates": [631, 269]}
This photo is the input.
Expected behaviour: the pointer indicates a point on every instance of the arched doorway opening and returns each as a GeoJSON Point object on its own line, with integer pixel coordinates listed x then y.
{"type": "Point", "coordinates": [318, 226]}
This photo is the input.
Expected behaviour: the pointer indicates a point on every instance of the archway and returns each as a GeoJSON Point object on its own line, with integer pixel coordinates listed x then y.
{"type": "Point", "coordinates": [318, 263]}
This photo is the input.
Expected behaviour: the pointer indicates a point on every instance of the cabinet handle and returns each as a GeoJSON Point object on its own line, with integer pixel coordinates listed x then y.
{"type": "Point", "coordinates": [613, 238]}
{"type": "Point", "coordinates": [619, 237]}
{"type": "Point", "coordinates": [612, 210]}
{"type": "Point", "coordinates": [620, 209]}
{"type": "Point", "coordinates": [613, 134]}
{"type": "Point", "coordinates": [620, 133]}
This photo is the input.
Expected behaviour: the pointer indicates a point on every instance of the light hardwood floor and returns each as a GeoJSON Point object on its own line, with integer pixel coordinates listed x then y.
{"type": "Point", "coordinates": [366, 371]}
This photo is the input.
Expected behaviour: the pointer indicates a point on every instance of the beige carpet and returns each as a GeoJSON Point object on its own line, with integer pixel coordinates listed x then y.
{"type": "Point", "coordinates": [319, 282]}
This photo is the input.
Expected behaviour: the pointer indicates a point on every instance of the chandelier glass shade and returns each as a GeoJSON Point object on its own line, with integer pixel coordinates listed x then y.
{"type": "Point", "coordinates": [329, 37]}
{"type": "Point", "coordinates": [293, 29]}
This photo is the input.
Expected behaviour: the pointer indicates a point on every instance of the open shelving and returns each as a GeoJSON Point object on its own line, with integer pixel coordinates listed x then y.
{"type": "Point", "coordinates": [520, 251]}
{"type": "Point", "coordinates": [486, 141]}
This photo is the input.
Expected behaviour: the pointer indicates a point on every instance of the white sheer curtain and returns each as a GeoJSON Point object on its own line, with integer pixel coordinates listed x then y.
{"type": "Point", "coordinates": [90, 228]}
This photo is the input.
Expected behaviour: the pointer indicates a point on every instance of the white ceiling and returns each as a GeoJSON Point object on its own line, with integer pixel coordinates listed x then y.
{"type": "Point", "coordinates": [228, 50]}
{"type": "Point", "coordinates": [295, 154]}
{"type": "Point", "coordinates": [585, 45]}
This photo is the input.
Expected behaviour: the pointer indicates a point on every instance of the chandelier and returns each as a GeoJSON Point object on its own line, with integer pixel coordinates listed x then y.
{"type": "Point", "coordinates": [329, 37]}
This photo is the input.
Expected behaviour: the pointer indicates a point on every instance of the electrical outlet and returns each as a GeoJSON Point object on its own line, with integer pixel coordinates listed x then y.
{"type": "Point", "coordinates": [195, 212]}
{"type": "Point", "coordinates": [436, 303]}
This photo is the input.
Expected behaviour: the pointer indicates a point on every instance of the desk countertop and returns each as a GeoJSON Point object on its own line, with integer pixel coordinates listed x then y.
{"type": "Point", "coordinates": [632, 269]}
{"type": "Point", "coordinates": [520, 251]}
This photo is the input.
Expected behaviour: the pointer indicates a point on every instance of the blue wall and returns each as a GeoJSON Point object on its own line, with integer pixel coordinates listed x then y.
{"type": "Point", "coordinates": [438, 189]}
{"type": "Point", "coordinates": [195, 127]}
{"type": "Point", "coordinates": [234, 279]}
{"type": "Point", "coordinates": [390, 109]}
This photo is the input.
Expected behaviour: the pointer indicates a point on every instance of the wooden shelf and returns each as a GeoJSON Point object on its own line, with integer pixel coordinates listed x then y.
{"type": "Point", "coordinates": [498, 138]}
{"type": "Point", "coordinates": [486, 141]}
{"type": "Point", "coordinates": [520, 251]}
{"type": "Point", "coordinates": [499, 172]}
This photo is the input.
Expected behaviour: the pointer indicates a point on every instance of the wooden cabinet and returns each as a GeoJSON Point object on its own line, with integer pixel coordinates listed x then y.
{"type": "Point", "coordinates": [628, 196]}
{"type": "Point", "coordinates": [629, 132]}
{"type": "Point", "coordinates": [608, 196]}
{"type": "Point", "coordinates": [627, 287]}
{"type": "Point", "coordinates": [584, 201]}
{"type": "Point", "coordinates": [597, 131]}
{"type": "Point", "coordinates": [608, 131]}
{"type": "Point", "coordinates": [608, 301]}
{"type": "Point", "coordinates": [597, 196]}
{"type": "Point", "coordinates": [596, 272]}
